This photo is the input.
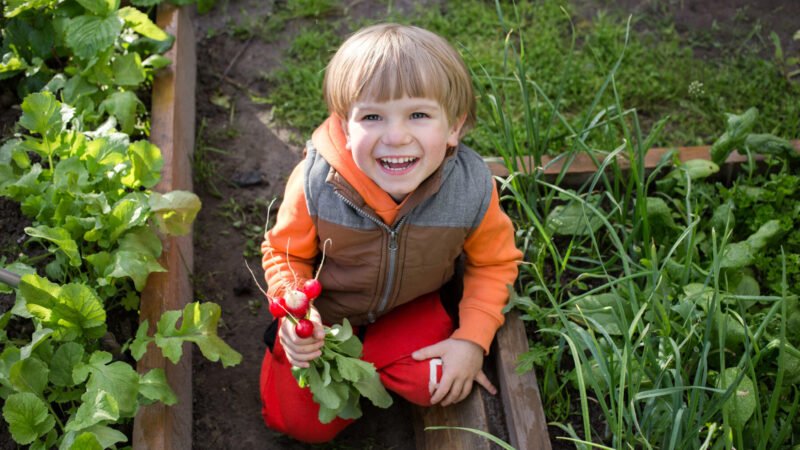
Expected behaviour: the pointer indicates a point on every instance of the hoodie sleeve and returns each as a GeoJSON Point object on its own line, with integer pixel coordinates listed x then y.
{"type": "Point", "coordinates": [492, 259]}
{"type": "Point", "coordinates": [290, 247]}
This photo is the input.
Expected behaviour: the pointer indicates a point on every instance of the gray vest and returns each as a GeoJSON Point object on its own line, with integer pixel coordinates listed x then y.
{"type": "Point", "coordinates": [371, 267]}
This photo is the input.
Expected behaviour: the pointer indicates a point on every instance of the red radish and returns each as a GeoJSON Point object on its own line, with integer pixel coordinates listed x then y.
{"type": "Point", "coordinates": [296, 303]}
{"type": "Point", "coordinates": [312, 288]}
{"type": "Point", "coordinates": [304, 328]}
{"type": "Point", "coordinates": [277, 308]}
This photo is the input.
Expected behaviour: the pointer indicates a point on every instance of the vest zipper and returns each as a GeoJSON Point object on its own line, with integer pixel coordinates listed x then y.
{"type": "Point", "coordinates": [393, 233]}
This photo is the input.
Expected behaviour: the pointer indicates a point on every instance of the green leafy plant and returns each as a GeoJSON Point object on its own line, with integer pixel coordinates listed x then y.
{"type": "Point", "coordinates": [95, 54]}
{"type": "Point", "coordinates": [98, 223]}
{"type": "Point", "coordinates": [339, 378]}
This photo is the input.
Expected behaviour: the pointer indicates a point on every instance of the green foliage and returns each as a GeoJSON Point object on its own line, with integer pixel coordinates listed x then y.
{"type": "Point", "coordinates": [339, 378]}
{"type": "Point", "coordinates": [88, 196]}
{"type": "Point", "coordinates": [199, 325]}
{"type": "Point", "coordinates": [93, 54]}
{"type": "Point", "coordinates": [296, 93]}
{"type": "Point", "coordinates": [647, 291]}
{"type": "Point", "coordinates": [85, 183]}
{"type": "Point", "coordinates": [567, 56]}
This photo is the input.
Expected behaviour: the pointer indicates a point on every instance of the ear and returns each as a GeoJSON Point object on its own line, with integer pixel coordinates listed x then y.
{"type": "Point", "coordinates": [455, 131]}
{"type": "Point", "coordinates": [346, 132]}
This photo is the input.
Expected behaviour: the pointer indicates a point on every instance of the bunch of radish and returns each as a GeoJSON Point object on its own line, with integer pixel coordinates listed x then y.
{"type": "Point", "coordinates": [347, 376]}
{"type": "Point", "coordinates": [296, 302]}
{"type": "Point", "coordinates": [295, 305]}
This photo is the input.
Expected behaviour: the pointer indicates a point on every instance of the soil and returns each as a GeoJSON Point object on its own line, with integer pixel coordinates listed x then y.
{"type": "Point", "coordinates": [257, 158]}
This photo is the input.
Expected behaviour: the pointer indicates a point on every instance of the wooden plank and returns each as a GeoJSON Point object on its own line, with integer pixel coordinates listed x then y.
{"type": "Point", "coordinates": [581, 166]}
{"type": "Point", "coordinates": [469, 413]}
{"type": "Point", "coordinates": [159, 427]}
{"type": "Point", "coordinates": [522, 402]}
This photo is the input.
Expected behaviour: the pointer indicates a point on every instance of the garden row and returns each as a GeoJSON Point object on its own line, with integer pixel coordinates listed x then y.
{"type": "Point", "coordinates": [660, 295]}
{"type": "Point", "coordinates": [108, 219]}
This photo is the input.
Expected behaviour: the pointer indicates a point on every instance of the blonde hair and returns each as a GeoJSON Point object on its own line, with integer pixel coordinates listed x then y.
{"type": "Point", "coordinates": [389, 61]}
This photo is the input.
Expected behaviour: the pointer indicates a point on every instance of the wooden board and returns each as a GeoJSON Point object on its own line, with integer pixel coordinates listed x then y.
{"type": "Point", "coordinates": [522, 402]}
{"type": "Point", "coordinates": [159, 427]}
{"type": "Point", "coordinates": [469, 413]}
{"type": "Point", "coordinates": [581, 166]}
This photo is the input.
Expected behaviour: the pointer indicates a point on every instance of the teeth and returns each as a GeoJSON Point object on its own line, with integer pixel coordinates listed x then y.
{"type": "Point", "coordinates": [398, 160]}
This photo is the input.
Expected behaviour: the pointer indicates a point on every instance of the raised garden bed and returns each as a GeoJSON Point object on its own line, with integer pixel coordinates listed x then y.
{"type": "Point", "coordinates": [173, 118]}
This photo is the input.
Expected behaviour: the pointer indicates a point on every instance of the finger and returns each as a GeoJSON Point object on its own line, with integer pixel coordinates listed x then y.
{"type": "Point", "coordinates": [441, 390]}
{"type": "Point", "coordinates": [484, 381]}
{"type": "Point", "coordinates": [295, 348]}
{"type": "Point", "coordinates": [314, 317]}
{"type": "Point", "coordinates": [301, 359]}
{"type": "Point", "coordinates": [454, 394]}
{"type": "Point", "coordinates": [466, 391]}
{"type": "Point", "coordinates": [290, 339]}
{"type": "Point", "coordinates": [431, 351]}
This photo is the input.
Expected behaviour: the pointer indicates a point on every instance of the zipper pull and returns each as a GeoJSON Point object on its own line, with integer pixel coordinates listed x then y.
{"type": "Point", "coordinates": [393, 240]}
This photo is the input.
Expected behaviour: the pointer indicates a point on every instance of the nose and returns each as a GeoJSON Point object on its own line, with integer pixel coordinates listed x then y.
{"type": "Point", "coordinates": [396, 134]}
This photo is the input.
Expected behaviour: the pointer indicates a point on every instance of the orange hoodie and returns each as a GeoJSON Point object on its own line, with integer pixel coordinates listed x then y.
{"type": "Point", "coordinates": [291, 247]}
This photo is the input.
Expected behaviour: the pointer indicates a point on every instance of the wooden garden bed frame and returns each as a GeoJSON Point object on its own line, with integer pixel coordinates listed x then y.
{"type": "Point", "coordinates": [582, 167]}
{"type": "Point", "coordinates": [160, 427]}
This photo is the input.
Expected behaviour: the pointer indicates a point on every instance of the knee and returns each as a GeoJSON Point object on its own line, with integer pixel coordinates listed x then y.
{"type": "Point", "coordinates": [411, 380]}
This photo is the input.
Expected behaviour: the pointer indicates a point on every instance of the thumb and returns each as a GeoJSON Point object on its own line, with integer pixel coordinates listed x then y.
{"type": "Point", "coordinates": [431, 351]}
{"type": "Point", "coordinates": [319, 331]}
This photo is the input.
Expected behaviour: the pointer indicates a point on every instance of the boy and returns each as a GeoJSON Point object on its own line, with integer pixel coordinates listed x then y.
{"type": "Point", "coordinates": [398, 200]}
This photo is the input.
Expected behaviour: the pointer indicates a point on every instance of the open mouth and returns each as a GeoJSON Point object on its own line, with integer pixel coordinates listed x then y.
{"type": "Point", "coordinates": [397, 165]}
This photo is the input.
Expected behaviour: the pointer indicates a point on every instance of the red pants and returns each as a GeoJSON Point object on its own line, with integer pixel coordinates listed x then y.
{"type": "Point", "coordinates": [388, 344]}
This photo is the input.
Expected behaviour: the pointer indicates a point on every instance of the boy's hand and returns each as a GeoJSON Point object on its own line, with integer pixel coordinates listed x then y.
{"type": "Point", "coordinates": [461, 365]}
{"type": "Point", "coordinates": [300, 351]}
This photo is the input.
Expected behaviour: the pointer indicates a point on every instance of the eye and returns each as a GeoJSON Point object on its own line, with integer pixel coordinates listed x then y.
{"type": "Point", "coordinates": [371, 117]}
{"type": "Point", "coordinates": [419, 115]}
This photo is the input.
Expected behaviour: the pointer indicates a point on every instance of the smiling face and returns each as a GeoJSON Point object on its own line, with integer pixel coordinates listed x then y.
{"type": "Point", "coordinates": [399, 143]}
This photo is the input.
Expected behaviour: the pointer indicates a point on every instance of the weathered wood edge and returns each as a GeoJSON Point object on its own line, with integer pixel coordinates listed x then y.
{"type": "Point", "coordinates": [522, 404]}
{"type": "Point", "coordinates": [160, 427]}
{"type": "Point", "coordinates": [581, 167]}
{"type": "Point", "coordinates": [469, 413]}
{"type": "Point", "coordinates": [522, 401]}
